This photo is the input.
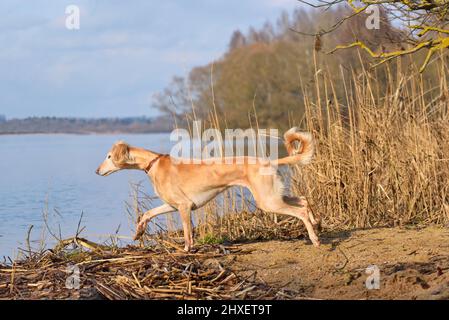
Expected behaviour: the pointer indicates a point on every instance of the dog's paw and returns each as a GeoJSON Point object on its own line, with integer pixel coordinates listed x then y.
{"type": "Point", "coordinates": [139, 233]}
{"type": "Point", "coordinates": [316, 242]}
{"type": "Point", "coordinates": [190, 249]}
{"type": "Point", "coordinates": [137, 236]}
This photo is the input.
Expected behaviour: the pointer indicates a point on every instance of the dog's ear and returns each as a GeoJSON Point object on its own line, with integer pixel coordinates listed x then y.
{"type": "Point", "coordinates": [120, 153]}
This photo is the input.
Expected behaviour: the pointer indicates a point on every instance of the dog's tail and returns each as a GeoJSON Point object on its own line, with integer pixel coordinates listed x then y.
{"type": "Point", "coordinates": [304, 154]}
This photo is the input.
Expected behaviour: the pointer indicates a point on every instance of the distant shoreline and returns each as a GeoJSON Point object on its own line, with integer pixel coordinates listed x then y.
{"type": "Point", "coordinates": [85, 126]}
{"type": "Point", "coordinates": [80, 133]}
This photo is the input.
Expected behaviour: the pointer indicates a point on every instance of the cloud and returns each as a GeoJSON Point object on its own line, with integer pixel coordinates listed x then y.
{"type": "Point", "coordinates": [286, 4]}
{"type": "Point", "coordinates": [124, 51]}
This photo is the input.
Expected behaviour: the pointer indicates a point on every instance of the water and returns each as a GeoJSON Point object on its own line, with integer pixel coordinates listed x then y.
{"type": "Point", "coordinates": [58, 172]}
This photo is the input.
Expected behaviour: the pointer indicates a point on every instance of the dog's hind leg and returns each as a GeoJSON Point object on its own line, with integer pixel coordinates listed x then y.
{"type": "Point", "coordinates": [147, 216]}
{"type": "Point", "coordinates": [302, 202]}
{"type": "Point", "coordinates": [267, 192]}
{"type": "Point", "coordinates": [304, 215]}
{"type": "Point", "coordinates": [274, 203]}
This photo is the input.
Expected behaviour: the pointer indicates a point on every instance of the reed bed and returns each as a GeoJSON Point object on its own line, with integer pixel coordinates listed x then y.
{"type": "Point", "coordinates": [162, 271]}
{"type": "Point", "coordinates": [382, 156]}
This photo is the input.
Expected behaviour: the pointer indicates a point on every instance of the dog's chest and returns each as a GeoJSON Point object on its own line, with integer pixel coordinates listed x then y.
{"type": "Point", "coordinates": [156, 188]}
{"type": "Point", "coordinates": [201, 198]}
{"type": "Point", "coordinates": [166, 191]}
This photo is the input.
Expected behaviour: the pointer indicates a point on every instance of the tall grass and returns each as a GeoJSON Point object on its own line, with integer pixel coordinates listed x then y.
{"type": "Point", "coordinates": [382, 158]}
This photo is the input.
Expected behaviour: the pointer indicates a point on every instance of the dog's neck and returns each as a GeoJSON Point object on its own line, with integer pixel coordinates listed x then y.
{"type": "Point", "coordinates": [142, 158]}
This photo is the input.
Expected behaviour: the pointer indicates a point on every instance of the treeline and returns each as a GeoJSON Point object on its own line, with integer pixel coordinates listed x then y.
{"type": "Point", "coordinates": [85, 126]}
{"type": "Point", "coordinates": [266, 71]}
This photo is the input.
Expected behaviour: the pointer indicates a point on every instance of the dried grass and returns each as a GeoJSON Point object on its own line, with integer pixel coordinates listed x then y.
{"type": "Point", "coordinates": [163, 271]}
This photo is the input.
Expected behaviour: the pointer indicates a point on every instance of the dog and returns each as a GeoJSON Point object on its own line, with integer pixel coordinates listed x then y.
{"type": "Point", "coordinates": [185, 187]}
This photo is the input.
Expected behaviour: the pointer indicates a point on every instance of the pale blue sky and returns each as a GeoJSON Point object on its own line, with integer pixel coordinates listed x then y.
{"type": "Point", "coordinates": [124, 52]}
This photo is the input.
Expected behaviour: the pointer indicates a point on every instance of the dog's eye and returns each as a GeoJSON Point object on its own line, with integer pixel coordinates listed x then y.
{"type": "Point", "coordinates": [109, 156]}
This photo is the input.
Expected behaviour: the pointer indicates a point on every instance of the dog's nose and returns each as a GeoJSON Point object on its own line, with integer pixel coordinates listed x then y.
{"type": "Point", "coordinates": [97, 171]}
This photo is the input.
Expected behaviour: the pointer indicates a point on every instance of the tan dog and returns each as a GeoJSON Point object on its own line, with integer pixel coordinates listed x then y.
{"type": "Point", "coordinates": [186, 187]}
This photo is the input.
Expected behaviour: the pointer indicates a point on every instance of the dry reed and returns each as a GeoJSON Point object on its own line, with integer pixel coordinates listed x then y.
{"type": "Point", "coordinates": [163, 271]}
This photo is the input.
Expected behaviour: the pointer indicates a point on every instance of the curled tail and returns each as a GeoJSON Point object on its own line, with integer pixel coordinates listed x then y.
{"type": "Point", "coordinates": [304, 154]}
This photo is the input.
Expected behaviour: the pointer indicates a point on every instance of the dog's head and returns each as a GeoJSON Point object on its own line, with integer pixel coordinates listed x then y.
{"type": "Point", "coordinates": [118, 158]}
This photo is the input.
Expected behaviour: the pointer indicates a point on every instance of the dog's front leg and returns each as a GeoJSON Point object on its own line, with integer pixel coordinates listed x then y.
{"type": "Point", "coordinates": [147, 216]}
{"type": "Point", "coordinates": [185, 211]}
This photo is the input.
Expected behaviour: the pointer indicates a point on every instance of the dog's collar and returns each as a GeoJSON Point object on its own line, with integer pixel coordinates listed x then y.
{"type": "Point", "coordinates": [152, 162]}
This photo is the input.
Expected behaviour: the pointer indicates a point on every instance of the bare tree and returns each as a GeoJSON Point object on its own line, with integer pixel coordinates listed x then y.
{"type": "Point", "coordinates": [425, 23]}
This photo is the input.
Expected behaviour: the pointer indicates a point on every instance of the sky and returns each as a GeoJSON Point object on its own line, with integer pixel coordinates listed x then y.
{"type": "Point", "coordinates": [122, 54]}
